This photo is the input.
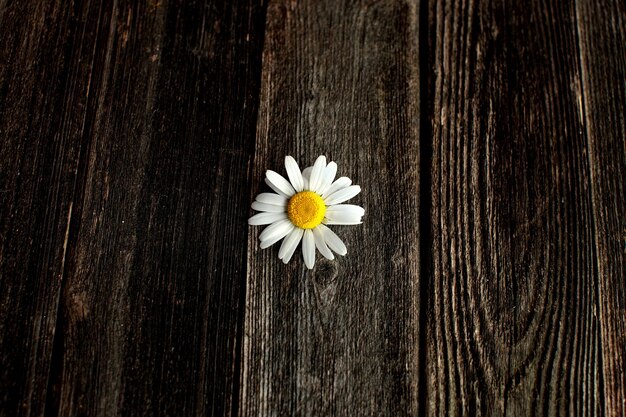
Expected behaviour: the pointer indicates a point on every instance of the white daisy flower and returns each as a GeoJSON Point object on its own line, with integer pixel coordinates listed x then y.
{"type": "Point", "coordinates": [302, 207]}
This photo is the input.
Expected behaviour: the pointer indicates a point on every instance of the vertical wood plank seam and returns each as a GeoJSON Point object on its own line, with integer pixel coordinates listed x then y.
{"type": "Point", "coordinates": [592, 192]}
{"type": "Point", "coordinates": [425, 200]}
{"type": "Point", "coordinates": [238, 373]}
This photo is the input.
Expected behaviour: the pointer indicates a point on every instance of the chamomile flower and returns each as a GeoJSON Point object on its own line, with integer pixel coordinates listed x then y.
{"type": "Point", "coordinates": [302, 207]}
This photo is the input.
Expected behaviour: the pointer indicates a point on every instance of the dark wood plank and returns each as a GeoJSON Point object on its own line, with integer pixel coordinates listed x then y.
{"type": "Point", "coordinates": [602, 38]}
{"type": "Point", "coordinates": [151, 311]}
{"type": "Point", "coordinates": [339, 78]}
{"type": "Point", "coordinates": [46, 66]}
{"type": "Point", "coordinates": [514, 327]}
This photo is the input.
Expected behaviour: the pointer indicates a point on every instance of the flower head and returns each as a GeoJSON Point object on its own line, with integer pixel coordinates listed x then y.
{"type": "Point", "coordinates": [303, 206]}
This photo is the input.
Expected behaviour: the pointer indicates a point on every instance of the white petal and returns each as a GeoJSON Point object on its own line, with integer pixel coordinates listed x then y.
{"type": "Point", "coordinates": [271, 198]}
{"type": "Point", "coordinates": [266, 218]}
{"type": "Point", "coordinates": [306, 176]}
{"type": "Point", "coordinates": [344, 214]}
{"type": "Point", "coordinates": [346, 210]}
{"type": "Point", "coordinates": [308, 249]}
{"type": "Point", "coordinates": [279, 183]}
{"type": "Point", "coordinates": [333, 241]}
{"type": "Point", "coordinates": [328, 177]}
{"type": "Point", "coordinates": [320, 244]}
{"type": "Point", "coordinates": [279, 228]}
{"type": "Point", "coordinates": [267, 207]}
{"type": "Point", "coordinates": [290, 244]}
{"type": "Point", "coordinates": [294, 174]}
{"type": "Point", "coordinates": [343, 222]}
{"type": "Point", "coordinates": [341, 183]}
{"type": "Point", "coordinates": [275, 232]}
{"type": "Point", "coordinates": [317, 173]}
{"type": "Point", "coordinates": [342, 195]}
{"type": "Point", "coordinates": [306, 173]}
{"type": "Point", "coordinates": [280, 193]}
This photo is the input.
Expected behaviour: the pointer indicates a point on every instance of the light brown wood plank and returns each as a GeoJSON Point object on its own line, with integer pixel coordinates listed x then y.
{"type": "Point", "coordinates": [339, 78]}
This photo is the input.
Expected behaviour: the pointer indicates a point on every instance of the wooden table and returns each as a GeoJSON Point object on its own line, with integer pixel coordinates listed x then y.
{"type": "Point", "coordinates": [489, 276]}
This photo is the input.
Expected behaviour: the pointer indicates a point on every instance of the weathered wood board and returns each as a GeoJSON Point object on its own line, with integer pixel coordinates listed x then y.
{"type": "Point", "coordinates": [527, 308]}
{"type": "Point", "coordinates": [488, 278]}
{"type": "Point", "coordinates": [339, 80]}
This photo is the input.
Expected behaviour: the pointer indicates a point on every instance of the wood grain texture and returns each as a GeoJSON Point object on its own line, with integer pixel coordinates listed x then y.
{"type": "Point", "coordinates": [339, 78]}
{"type": "Point", "coordinates": [516, 322]}
{"type": "Point", "coordinates": [602, 44]}
{"type": "Point", "coordinates": [488, 278]}
{"type": "Point", "coordinates": [150, 307]}
{"type": "Point", "coordinates": [45, 69]}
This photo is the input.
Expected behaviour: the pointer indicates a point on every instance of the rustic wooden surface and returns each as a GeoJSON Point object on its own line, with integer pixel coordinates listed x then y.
{"type": "Point", "coordinates": [319, 342]}
{"type": "Point", "coordinates": [520, 322]}
{"type": "Point", "coordinates": [489, 276]}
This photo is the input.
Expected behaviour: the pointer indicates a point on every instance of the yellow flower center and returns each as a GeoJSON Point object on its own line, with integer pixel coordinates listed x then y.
{"type": "Point", "coordinates": [306, 209]}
